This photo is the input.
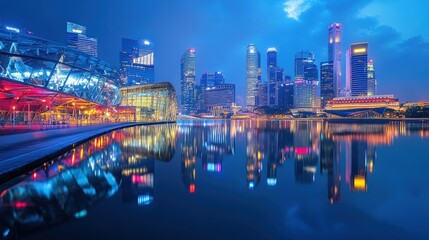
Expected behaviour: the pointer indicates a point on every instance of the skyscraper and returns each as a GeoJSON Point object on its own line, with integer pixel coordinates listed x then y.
{"type": "Point", "coordinates": [348, 75]}
{"type": "Point", "coordinates": [188, 94]}
{"type": "Point", "coordinates": [77, 39]}
{"type": "Point", "coordinates": [359, 69]}
{"type": "Point", "coordinates": [327, 92]}
{"type": "Point", "coordinates": [334, 54]}
{"type": "Point", "coordinates": [372, 81]}
{"type": "Point", "coordinates": [306, 81]}
{"type": "Point", "coordinates": [271, 75]}
{"type": "Point", "coordinates": [253, 74]}
{"type": "Point", "coordinates": [261, 97]}
{"type": "Point", "coordinates": [137, 62]}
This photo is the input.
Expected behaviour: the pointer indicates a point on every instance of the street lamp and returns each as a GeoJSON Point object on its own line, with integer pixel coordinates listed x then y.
{"type": "Point", "coordinates": [13, 116]}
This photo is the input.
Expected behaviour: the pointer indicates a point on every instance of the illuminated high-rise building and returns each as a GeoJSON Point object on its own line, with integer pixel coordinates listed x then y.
{"type": "Point", "coordinates": [372, 81]}
{"type": "Point", "coordinates": [253, 74]}
{"type": "Point", "coordinates": [261, 96]}
{"type": "Point", "coordinates": [348, 75]}
{"type": "Point", "coordinates": [334, 55]}
{"type": "Point", "coordinates": [272, 75]}
{"type": "Point", "coordinates": [137, 62]}
{"type": "Point", "coordinates": [77, 39]}
{"type": "Point", "coordinates": [359, 69]}
{"type": "Point", "coordinates": [188, 93]}
{"type": "Point", "coordinates": [327, 90]}
{"type": "Point", "coordinates": [306, 81]}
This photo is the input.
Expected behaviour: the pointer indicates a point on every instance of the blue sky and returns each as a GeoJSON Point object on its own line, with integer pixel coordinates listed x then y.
{"type": "Point", "coordinates": [220, 30]}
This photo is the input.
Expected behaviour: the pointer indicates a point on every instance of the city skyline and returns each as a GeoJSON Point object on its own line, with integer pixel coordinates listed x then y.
{"type": "Point", "coordinates": [359, 23]}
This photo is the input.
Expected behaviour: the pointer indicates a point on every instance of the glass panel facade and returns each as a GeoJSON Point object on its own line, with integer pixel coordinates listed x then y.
{"type": "Point", "coordinates": [153, 102]}
{"type": "Point", "coordinates": [50, 65]}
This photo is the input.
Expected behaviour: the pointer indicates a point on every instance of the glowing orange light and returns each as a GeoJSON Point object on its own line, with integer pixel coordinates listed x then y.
{"type": "Point", "coordinates": [359, 183]}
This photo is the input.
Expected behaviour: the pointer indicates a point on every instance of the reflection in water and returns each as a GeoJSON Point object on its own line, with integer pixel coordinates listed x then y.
{"type": "Point", "coordinates": [306, 143]}
{"type": "Point", "coordinates": [66, 187]}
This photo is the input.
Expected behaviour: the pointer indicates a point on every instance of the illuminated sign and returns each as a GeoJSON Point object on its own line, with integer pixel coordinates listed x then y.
{"type": "Point", "coordinates": [76, 31]}
{"type": "Point", "coordinates": [146, 42]}
{"type": "Point", "coordinates": [359, 50]}
{"type": "Point", "coordinates": [192, 50]}
{"type": "Point", "coordinates": [330, 40]}
{"type": "Point", "coordinates": [12, 29]}
{"type": "Point", "coordinates": [337, 39]}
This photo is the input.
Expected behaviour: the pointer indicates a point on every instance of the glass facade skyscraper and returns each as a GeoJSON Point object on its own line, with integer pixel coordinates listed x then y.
{"type": "Point", "coordinates": [359, 69]}
{"type": "Point", "coordinates": [137, 62]}
{"type": "Point", "coordinates": [188, 93]}
{"type": "Point", "coordinates": [253, 74]}
{"type": "Point", "coordinates": [77, 39]}
{"type": "Point", "coordinates": [334, 54]}
{"type": "Point", "coordinates": [327, 92]}
{"type": "Point", "coordinates": [306, 94]}
{"type": "Point", "coordinates": [372, 81]}
{"type": "Point", "coordinates": [272, 75]}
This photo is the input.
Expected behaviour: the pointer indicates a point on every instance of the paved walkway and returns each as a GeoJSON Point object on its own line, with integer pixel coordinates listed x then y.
{"type": "Point", "coordinates": [25, 151]}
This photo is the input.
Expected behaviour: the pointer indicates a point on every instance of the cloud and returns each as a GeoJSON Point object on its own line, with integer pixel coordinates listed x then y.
{"type": "Point", "coordinates": [294, 8]}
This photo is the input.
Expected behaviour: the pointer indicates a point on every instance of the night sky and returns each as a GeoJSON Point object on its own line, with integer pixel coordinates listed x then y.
{"type": "Point", "coordinates": [220, 30]}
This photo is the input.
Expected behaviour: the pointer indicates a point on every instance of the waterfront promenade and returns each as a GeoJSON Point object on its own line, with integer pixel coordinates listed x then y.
{"type": "Point", "coordinates": [20, 152]}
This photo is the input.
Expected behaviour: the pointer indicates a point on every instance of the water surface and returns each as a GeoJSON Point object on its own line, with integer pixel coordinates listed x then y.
{"type": "Point", "coordinates": [229, 180]}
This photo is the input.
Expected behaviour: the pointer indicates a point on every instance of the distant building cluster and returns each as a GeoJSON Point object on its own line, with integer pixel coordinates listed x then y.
{"type": "Point", "coordinates": [212, 97]}
{"type": "Point", "coordinates": [310, 88]}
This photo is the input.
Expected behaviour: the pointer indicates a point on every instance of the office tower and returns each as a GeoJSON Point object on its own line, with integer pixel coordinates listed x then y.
{"type": "Point", "coordinates": [188, 93]}
{"type": "Point", "coordinates": [261, 96]}
{"type": "Point", "coordinates": [207, 80]}
{"type": "Point", "coordinates": [327, 91]}
{"type": "Point", "coordinates": [334, 55]}
{"type": "Point", "coordinates": [137, 62]}
{"type": "Point", "coordinates": [253, 74]}
{"type": "Point", "coordinates": [199, 94]}
{"type": "Point", "coordinates": [306, 81]}
{"type": "Point", "coordinates": [219, 98]}
{"type": "Point", "coordinates": [77, 39]}
{"type": "Point", "coordinates": [372, 81]}
{"type": "Point", "coordinates": [285, 94]}
{"type": "Point", "coordinates": [348, 75]}
{"type": "Point", "coordinates": [359, 72]}
{"type": "Point", "coordinates": [271, 75]}
{"type": "Point", "coordinates": [218, 78]}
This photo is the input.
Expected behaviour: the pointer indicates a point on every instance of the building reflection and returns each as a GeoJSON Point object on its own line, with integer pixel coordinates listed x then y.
{"type": "Point", "coordinates": [207, 142]}
{"type": "Point", "coordinates": [67, 186]}
{"type": "Point", "coordinates": [330, 165]}
{"type": "Point", "coordinates": [141, 147]}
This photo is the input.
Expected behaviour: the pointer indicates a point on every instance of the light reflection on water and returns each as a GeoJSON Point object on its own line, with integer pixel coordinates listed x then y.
{"type": "Point", "coordinates": [257, 157]}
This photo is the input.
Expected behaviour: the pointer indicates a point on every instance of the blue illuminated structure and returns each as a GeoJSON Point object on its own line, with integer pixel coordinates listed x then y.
{"type": "Point", "coordinates": [50, 69]}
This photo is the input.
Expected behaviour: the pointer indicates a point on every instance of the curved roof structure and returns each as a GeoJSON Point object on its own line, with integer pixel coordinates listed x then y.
{"type": "Point", "coordinates": [34, 68]}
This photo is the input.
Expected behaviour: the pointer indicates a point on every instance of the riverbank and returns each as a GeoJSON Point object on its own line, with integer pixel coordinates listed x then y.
{"type": "Point", "coordinates": [23, 152]}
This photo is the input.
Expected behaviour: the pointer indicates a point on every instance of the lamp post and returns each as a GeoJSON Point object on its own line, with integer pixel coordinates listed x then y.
{"type": "Point", "coordinates": [13, 116]}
